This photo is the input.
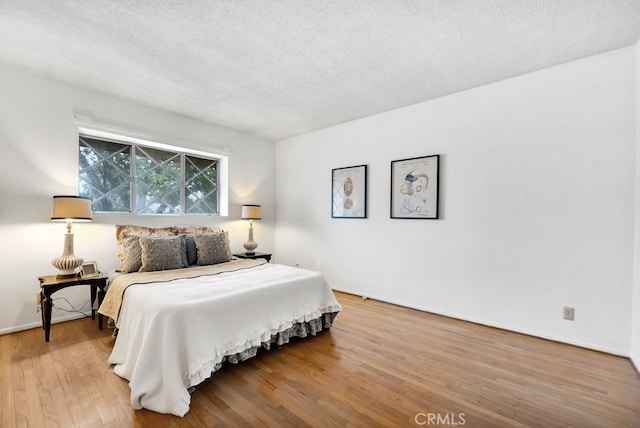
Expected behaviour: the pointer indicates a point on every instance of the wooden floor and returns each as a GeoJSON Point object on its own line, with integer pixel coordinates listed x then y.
{"type": "Point", "coordinates": [380, 365]}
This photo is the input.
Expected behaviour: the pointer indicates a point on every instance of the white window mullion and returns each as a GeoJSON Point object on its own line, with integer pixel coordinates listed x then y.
{"type": "Point", "coordinates": [132, 179]}
{"type": "Point", "coordinates": [183, 184]}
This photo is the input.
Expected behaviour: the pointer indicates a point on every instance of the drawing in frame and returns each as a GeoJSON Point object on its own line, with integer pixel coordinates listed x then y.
{"type": "Point", "coordinates": [414, 187]}
{"type": "Point", "coordinates": [349, 192]}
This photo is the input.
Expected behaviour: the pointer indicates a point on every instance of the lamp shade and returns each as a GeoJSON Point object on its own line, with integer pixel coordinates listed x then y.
{"type": "Point", "coordinates": [251, 212]}
{"type": "Point", "coordinates": [71, 208]}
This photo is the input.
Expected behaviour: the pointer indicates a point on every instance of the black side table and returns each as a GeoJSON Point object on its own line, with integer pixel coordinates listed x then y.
{"type": "Point", "coordinates": [255, 255]}
{"type": "Point", "coordinates": [49, 284]}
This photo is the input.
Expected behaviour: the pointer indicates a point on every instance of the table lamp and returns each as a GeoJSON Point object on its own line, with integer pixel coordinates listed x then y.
{"type": "Point", "coordinates": [70, 208]}
{"type": "Point", "coordinates": [251, 212]}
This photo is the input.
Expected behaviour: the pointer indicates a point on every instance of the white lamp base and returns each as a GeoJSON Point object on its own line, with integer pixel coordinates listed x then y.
{"type": "Point", "coordinates": [67, 263]}
{"type": "Point", "coordinates": [250, 246]}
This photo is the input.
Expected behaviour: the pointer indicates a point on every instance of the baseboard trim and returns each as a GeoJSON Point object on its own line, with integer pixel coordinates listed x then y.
{"type": "Point", "coordinates": [39, 324]}
{"type": "Point", "coordinates": [590, 346]}
{"type": "Point", "coordinates": [635, 366]}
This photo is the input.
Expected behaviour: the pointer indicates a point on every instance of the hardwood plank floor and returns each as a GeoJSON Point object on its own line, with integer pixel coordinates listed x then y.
{"type": "Point", "coordinates": [380, 365]}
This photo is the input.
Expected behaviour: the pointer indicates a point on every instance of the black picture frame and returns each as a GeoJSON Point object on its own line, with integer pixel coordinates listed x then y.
{"type": "Point", "coordinates": [415, 188]}
{"type": "Point", "coordinates": [349, 192]}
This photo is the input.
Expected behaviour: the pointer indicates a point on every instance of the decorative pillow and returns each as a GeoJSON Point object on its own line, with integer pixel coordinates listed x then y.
{"type": "Point", "coordinates": [128, 229]}
{"type": "Point", "coordinates": [192, 230]}
{"type": "Point", "coordinates": [183, 250]}
{"type": "Point", "coordinates": [213, 249]}
{"type": "Point", "coordinates": [161, 253]}
{"type": "Point", "coordinates": [192, 252]}
{"type": "Point", "coordinates": [131, 260]}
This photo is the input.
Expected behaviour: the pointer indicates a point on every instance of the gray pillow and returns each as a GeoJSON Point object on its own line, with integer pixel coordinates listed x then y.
{"type": "Point", "coordinates": [183, 250]}
{"type": "Point", "coordinates": [161, 254]}
{"type": "Point", "coordinates": [131, 254]}
{"type": "Point", "coordinates": [213, 248]}
{"type": "Point", "coordinates": [192, 252]}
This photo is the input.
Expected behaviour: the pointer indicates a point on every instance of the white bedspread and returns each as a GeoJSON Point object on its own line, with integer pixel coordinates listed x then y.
{"type": "Point", "coordinates": [173, 334]}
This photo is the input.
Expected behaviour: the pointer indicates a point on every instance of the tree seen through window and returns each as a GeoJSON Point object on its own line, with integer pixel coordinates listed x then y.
{"type": "Point", "coordinates": [161, 182]}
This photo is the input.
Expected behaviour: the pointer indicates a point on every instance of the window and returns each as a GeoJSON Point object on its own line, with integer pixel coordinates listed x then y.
{"type": "Point", "coordinates": [124, 177]}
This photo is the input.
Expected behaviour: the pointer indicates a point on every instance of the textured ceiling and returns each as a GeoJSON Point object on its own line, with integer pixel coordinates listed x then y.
{"type": "Point", "coordinates": [282, 68]}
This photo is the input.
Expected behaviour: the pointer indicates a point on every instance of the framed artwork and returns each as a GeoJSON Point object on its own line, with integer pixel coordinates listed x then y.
{"type": "Point", "coordinates": [349, 192]}
{"type": "Point", "coordinates": [414, 187]}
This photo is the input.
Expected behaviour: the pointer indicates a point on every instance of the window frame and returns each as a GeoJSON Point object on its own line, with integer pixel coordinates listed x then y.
{"type": "Point", "coordinates": [150, 143]}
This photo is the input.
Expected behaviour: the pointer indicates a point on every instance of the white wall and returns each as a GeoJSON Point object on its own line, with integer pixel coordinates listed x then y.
{"type": "Point", "coordinates": [635, 326]}
{"type": "Point", "coordinates": [39, 159]}
{"type": "Point", "coordinates": [537, 200]}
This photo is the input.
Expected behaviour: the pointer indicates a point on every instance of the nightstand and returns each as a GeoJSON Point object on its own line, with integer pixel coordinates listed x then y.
{"type": "Point", "coordinates": [255, 255]}
{"type": "Point", "coordinates": [49, 284]}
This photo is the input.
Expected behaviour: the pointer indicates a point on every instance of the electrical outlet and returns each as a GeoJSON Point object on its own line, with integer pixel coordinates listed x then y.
{"type": "Point", "coordinates": [38, 299]}
{"type": "Point", "coordinates": [569, 313]}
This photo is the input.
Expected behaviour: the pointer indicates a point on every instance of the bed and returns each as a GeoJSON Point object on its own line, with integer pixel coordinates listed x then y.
{"type": "Point", "coordinates": [175, 327]}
